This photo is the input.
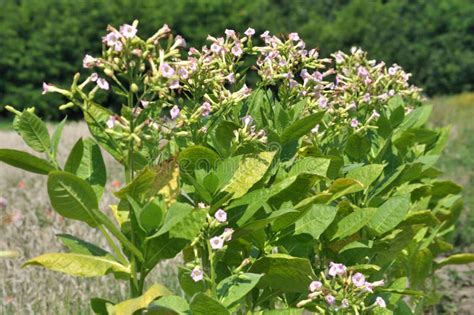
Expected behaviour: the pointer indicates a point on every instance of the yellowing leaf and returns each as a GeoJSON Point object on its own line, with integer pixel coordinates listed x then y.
{"type": "Point", "coordinates": [79, 265]}
{"type": "Point", "coordinates": [128, 307]}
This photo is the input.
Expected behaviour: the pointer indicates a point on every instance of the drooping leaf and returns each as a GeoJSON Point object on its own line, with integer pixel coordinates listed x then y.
{"type": "Point", "coordinates": [316, 220]}
{"type": "Point", "coordinates": [26, 161]}
{"type": "Point", "coordinates": [79, 265]}
{"type": "Point", "coordinates": [353, 222]}
{"type": "Point", "coordinates": [129, 307]}
{"type": "Point", "coordinates": [390, 214]}
{"type": "Point", "coordinates": [34, 132]}
{"type": "Point", "coordinates": [235, 287]}
{"type": "Point", "coordinates": [251, 169]}
{"type": "Point", "coordinates": [72, 197]}
{"type": "Point", "coordinates": [284, 272]}
{"type": "Point", "coordinates": [202, 304]}
{"type": "Point", "coordinates": [85, 161]}
{"type": "Point", "coordinates": [456, 259]}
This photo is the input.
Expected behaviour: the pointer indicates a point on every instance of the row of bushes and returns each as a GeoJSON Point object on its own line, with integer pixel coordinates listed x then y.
{"type": "Point", "coordinates": [46, 40]}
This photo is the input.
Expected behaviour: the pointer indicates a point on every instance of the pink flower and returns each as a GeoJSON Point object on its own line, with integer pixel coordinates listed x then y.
{"type": "Point", "coordinates": [294, 37]}
{"type": "Point", "coordinates": [94, 77]}
{"type": "Point", "coordinates": [88, 61]}
{"type": "Point", "coordinates": [205, 110]}
{"type": "Point", "coordinates": [354, 123]}
{"type": "Point", "coordinates": [265, 35]}
{"type": "Point", "coordinates": [339, 57]}
{"type": "Point", "coordinates": [113, 39]}
{"type": "Point", "coordinates": [197, 274]}
{"type": "Point", "coordinates": [102, 83]}
{"type": "Point", "coordinates": [375, 114]}
{"type": "Point", "coordinates": [369, 287]}
{"type": "Point", "coordinates": [229, 33]}
{"type": "Point", "coordinates": [216, 48]}
{"type": "Point", "coordinates": [380, 302]}
{"type": "Point", "coordinates": [358, 279]}
{"type": "Point", "coordinates": [47, 88]}
{"type": "Point", "coordinates": [315, 286]}
{"type": "Point", "coordinates": [183, 73]}
{"type": "Point", "coordinates": [237, 50]}
{"type": "Point", "coordinates": [166, 70]}
{"type": "Point", "coordinates": [323, 102]}
{"type": "Point", "coordinates": [392, 70]}
{"type": "Point", "coordinates": [145, 103]}
{"type": "Point", "coordinates": [330, 299]}
{"type": "Point", "coordinates": [174, 112]}
{"type": "Point", "coordinates": [362, 72]}
{"type": "Point", "coordinates": [231, 78]}
{"type": "Point", "coordinates": [336, 269]}
{"type": "Point", "coordinates": [128, 31]}
{"type": "Point", "coordinates": [249, 32]}
{"type": "Point", "coordinates": [179, 41]}
{"type": "Point", "coordinates": [366, 97]}
{"type": "Point", "coordinates": [217, 242]}
{"type": "Point", "coordinates": [220, 215]}
{"type": "Point", "coordinates": [318, 76]}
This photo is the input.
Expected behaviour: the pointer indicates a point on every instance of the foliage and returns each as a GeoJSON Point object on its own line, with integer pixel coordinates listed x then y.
{"type": "Point", "coordinates": [45, 40]}
{"type": "Point", "coordinates": [327, 160]}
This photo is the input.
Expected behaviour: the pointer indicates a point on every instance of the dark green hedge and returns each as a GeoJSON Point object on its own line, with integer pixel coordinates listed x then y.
{"type": "Point", "coordinates": [46, 40]}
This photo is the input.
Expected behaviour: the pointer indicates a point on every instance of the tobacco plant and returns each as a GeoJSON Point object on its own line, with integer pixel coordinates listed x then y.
{"type": "Point", "coordinates": [314, 187]}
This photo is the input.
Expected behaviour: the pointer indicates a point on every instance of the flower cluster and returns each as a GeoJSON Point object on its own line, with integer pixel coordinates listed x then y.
{"type": "Point", "coordinates": [342, 289]}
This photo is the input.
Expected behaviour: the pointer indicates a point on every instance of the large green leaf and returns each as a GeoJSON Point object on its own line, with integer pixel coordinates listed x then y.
{"type": "Point", "coordinates": [85, 161]}
{"type": "Point", "coordinates": [390, 214]}
{"type": "Point", "coordinates": [176, 213]}
{"type": "Point", "coordinates": [78, 246]}
{"type": "Point", "coordinates": [316, 220]}
{"type": "Point", "coordinates": [235, 287]}
{"type": "Point", "coordinates": [129, 307]}
{"type": "Point", "coordinates": [301, 127]}
{"type": "Point", "coordinates": [251, 169]}
{"type": "Point", "coordinates": [72, 197]}
{"type": "Point", "coordinates": [420, 267]}
{"type": "Point", "coordinates": [25, 161]}
{"type": "Point", "coordinates": [353, 222]}
{"type": "Point", "coordinates": [284, 272]}
{"type": "Point", "coordinates": [34, 132]}
{"type": "Point", "coordinates": [202, 304]}
{"type": "Point", "coordinates": [344, 186]}
{"type": "Point", "coordinates": [310, 165]}
{"type": "Point", "coordinates": [78, 264]}
{"type": "Point", "coordinates": [196, 157]}
{"type": "Point", "coordinates": [169, 304]}
{"type": "Point", "coordinates": [366, 174]}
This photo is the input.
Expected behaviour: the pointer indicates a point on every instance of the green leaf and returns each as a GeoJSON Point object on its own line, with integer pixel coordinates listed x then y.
{"type": "Point", "coordinates": [25, 161]}
{"type": "Point", "coordinates": [366, 174]}
{"type": "Point", "coordinates": [288, 311]}
{"type": "Point", "coordinates": [310, 165]}
{"type": "Point", "coordinates": [72, 197]}
{"type": "Point", "coordinates": [34, 132]}
{"type": "Point", "coordinates": [196, 157]}
{"type": "Point", "coordinates": [353, 222]}
{"type": "Point", "coordinates": [190, 225]}
{"type": "Point", "coordinates": [301, 127]}
{"type": "Point", "coordinates": [344, 186]}
{"type": "Point", "coordinates": [151, 215]}
{"type": "Point", "coordinates": [223, 137]}
{"type": "Point", "coordinates": [78, 264]}
{"type": "Point", "coordinates": [251, 169]}
{"type": "Point", "coordinates": [420, 267]}
{"type": "Point", "coordinates": [417, 118]}
{"type": "Point", "coordinates": [173, 303]}
{"type": "Point", "coordinates": [99, 306]}
{"type": "Point", "coordinates": [390, 214]}
{"type": "Point", "coordinates": [357, 146]}
{"type": "Point", "coordinates": [78, 246]}
{"type": "Point", "coordinates": [235, 287]}
{"type": "Point", "coordinates": [284, 272]}
{"type": "Point", "coordinates": [129, 307]}
{"type": "Point", "coordinates": [85, 161]}
{"type": "Point", "coordinates": [202, 304]}
{"type": "Point", "coordinates": [56, 137]}
{"type": "Point", "coordinates": [316, 220]}
{"type": "Point", "coordinates": [176, 213]}
{"type": "Point", "coordinates": [456, 259]}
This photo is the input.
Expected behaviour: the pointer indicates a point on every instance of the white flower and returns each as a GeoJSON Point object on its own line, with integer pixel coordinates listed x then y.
{"type": "Point", "coordinates": [145, 103]}
{"type": "Point", "coordinates": [128, 31]}
{"type": "Point", "coordinates": [323, 102]}
{"type": "Point", "coordinates": [249, 32]}
{"type": "Point", "coordinates": [174, 112]}
{"type": "Point", "coordinates": [227, 235]}
{"type": "Point", "coordinates": [179, 42]}
{"type": "Point", "coordinates": [183, 73]}
{"type": "Point", "coordinates": [113, 39]}
{"type": "Point", "coordinates": [237, 50]}
{"type": "Point", "coordinates": [315, 129]}
{"type": "Point", "coordinates": [229, 33]}
{"type": "Point", "coordinates": [94, 77]}
{"type": "Point", "coordinates": [294, 37]}
{"type": "Point", "coordinates": [201, 205]}
{"type": "Point", "coordinates": [380, 302]}
{"type": "Point", "coordinates": [392, 70]}
{"type": "Point", "coordinates": [220, 215]}
{"type": "Point", "coordinates": [315, 286]}
{"type": "Point", "coordinates": [358, 279]}
{"type": "Point", "coordinates": [47, 88]}
{"type": "Point", "coordinates": [174, 85]}
{"type": "Point", "coordinates": [330, 299]}
{"type": "Point", "coordinates": [247, 120]}
{"type": "Point", "coordinates": [217, 242]}
{"type": "Point", "coordinates": [88, 61]}
{"type": "Point", "coordinates": [197, 274]}
{"type": "Point", "coordinates": [354, 123]}
{"type": "Point", "coordinates": [111, 122]}
{"type": "Point", "coordinates": [102, 83]}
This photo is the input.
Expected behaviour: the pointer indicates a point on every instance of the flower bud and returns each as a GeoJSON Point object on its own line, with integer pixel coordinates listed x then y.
{"type": "Point", "coordinates": [109, 72]}
{"type": "Point", "coordinates": [134, 88]}
{"type": "Point", "coordinates": [66, 106]}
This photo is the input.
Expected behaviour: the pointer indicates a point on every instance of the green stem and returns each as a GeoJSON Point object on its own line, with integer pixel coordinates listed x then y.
{"type": "Point", "coordinates": [114, 247]}
{"type": "Point", "coordinates": [212, 269]}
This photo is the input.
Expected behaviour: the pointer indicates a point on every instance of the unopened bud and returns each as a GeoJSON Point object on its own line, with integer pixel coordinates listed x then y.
{"type": "Point", "coordinates": [134, 88]}
{"type": "Point", "coordinates": [109, 72]}
{"type": "Point", "coordinates": [66, 106]}
{"type": "Point", "coordinates": [12, 110]}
